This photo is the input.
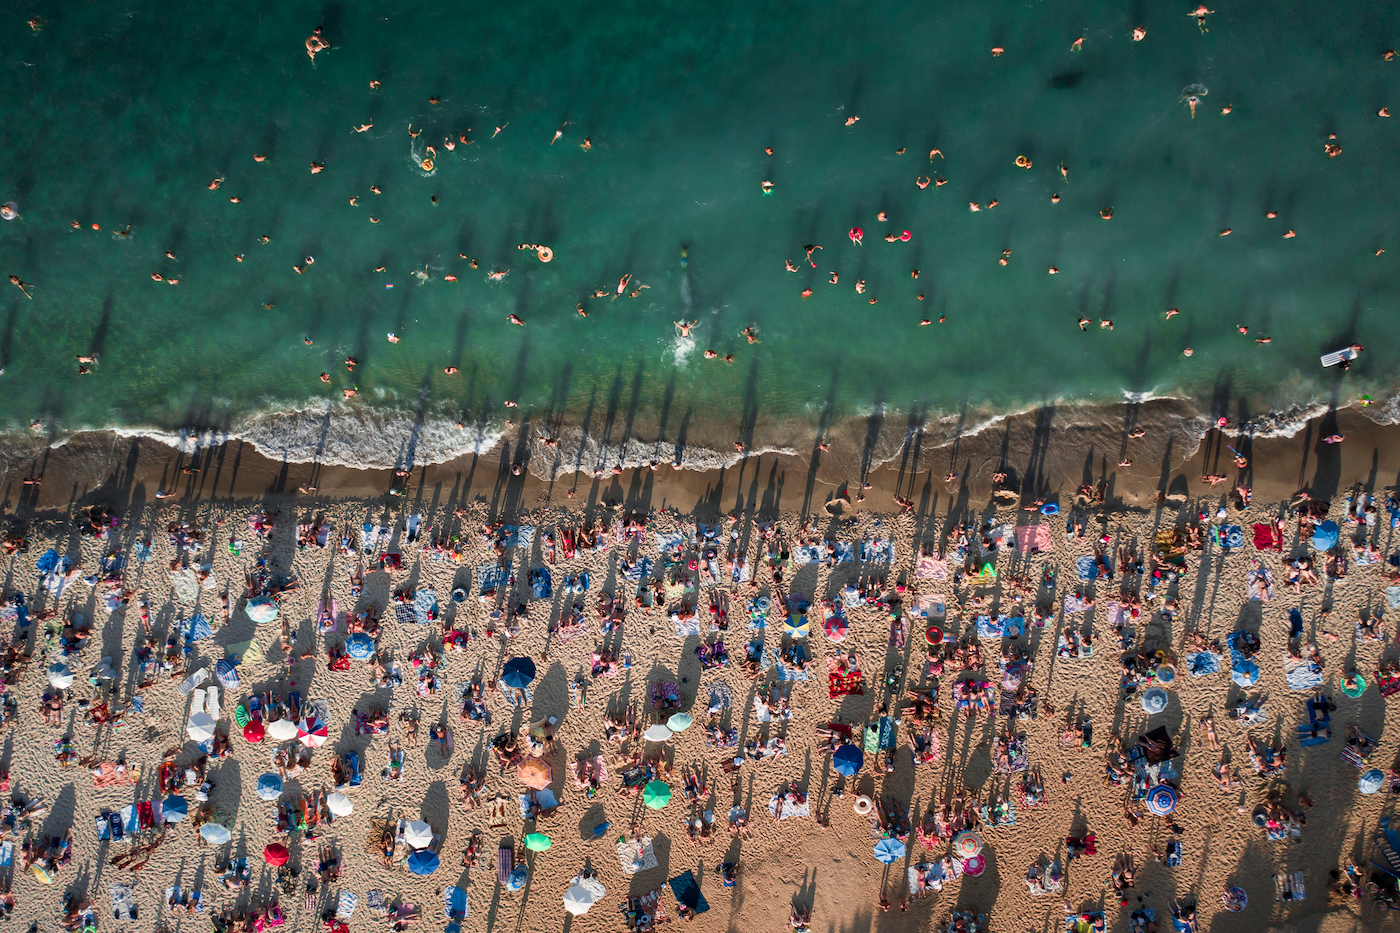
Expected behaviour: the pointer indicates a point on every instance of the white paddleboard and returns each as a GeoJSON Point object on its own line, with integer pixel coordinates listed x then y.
{"type": "Point", "coordinates": [1338, 356]}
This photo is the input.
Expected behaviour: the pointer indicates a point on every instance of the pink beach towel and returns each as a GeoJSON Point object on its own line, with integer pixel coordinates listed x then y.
{"type": "Point", "coordinates": [1031, 539]}
{"type": "Point", "coordinates": [932, 568]}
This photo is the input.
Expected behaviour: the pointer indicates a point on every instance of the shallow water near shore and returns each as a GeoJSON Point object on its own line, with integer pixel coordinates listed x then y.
{"type": "Point", "coordinates": [123, 117]}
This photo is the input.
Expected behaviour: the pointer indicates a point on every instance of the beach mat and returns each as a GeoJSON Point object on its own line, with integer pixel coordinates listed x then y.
{"type": "Point", "coordinates": [687, 892]}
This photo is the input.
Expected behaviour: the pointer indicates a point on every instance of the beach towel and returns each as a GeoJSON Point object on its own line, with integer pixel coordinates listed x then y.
{"type": "Point", "coordinates": [1077, 652]}
{"type": "Point", "coordinates": [1032, 539]}
{"type": "Point", "coordinates": [1267, 538]}
{"type": "Point", "coordinates": [807, 554]}
{"type": "Point", "coordinates": [787, 673]}
{"type": "Point", "coordinates": [687, 892]}
{"type": "Point", "coordinates": [843, 683]}
{"type": "Point", "coordinates": [425, 607]}
{"type": "Point", "coordinates": [741, 571]}
{"type": "Point", "coordinates": [49, 562]}
{"type": "Point", "coordinates": [929, 606]}
{"type": "Point", "coordinates": [686, 627]}
{"type": "Point", "coordinates": [1392, 597]}
{"type": "Point", "coordinates": [790, 810]}
{"type": "Point", "coordinates": [142, 551]}
{"type": "Point", "coordinates": [1243, 671]}
{"type": "Point", "coordinates": [843, 552]}
{"type": "Point", "coordinates": [185, 585]}
{"type": "Point", "coordinates": [638, 571]}
{"type": "Point", "coordinates": [196, 628]}
{"type": "Point", "coordinates": [545, 798]}
{"type": "Point", "coordinates": [721, 697]}
{"type": "Point", "coordinates": [1231, 536]}
{"type": "Point", "coordinates": [1201, 663]}
{"type": "Point", "coordinates": [345, 906]}
{"type": "Point", "coordinates": [1302, 674]}
{"type": "Point", "coordinates": [327, 626]}
{"type": "Point", "coordinates": [371, 536]}
{"type": "Point", "coordinates": [404, 614]}
{"type": "Point", "coordinates": [636, 855]}
{"type": "Point", "coordinates": [669, 540]}
{"type": "Point", "coordinates": [1074, 603]}
{"type": "Point", "coordinates": [123, 901]}
{"type": "Point", "coordinates": [1261, 584]}
{"type": "Point", "coordinates": [1312, 734]}
{"type": "Point", "coordinates": [541, 583]}
{"type": "Point", "coordinates": [1087, 567]}
{"type": "Point", "coordinates": [932, 568]}
{"type": "Point", "coordinates": [578, 583]}
{"type": "Point", "coordinates": [987, 627]}
{"type": "Point", "coordinates": [510, 694]}
{"type": "Point", "coordinates": [519, 536]}
{"type": "Point", "coordinates": [877, 551]}
{"type": "Point", "coordinates": [930, 873]}
{"type": "Point", "coordinates": [490, 577]}
{"type": "Point", "coordinates": [1174, 854]}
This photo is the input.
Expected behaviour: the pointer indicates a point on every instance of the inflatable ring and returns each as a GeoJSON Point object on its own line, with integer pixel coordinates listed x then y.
{"type": "Point", "coordinates": [427, 165]}
{"type": "Point", "coordinates": [762, 603]}
{"type": "Point", "coordinates": [1049, 508]}
{"type": "Point", "coordinates": [545, 253]}
{"type": "Point", "coordinates": [863, 805]}
{"type": "Point", "coordinates": [1022, 162]}
{"type": "Point", "coordinates": [934, 635]}
{"type": "Point", "coordinates": [694, 564]}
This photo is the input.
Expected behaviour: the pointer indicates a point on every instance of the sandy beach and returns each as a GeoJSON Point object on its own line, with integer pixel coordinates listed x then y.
{"type": "Point", "coordinates": [830, 870]}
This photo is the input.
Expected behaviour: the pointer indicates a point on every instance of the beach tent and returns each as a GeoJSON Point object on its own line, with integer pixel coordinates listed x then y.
{"type": "Point", "coordinates": [418, 834]}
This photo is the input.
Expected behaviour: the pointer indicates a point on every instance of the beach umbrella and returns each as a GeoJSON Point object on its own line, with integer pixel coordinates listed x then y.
{"type": "Point", "coordinates": [418, 834]}
{"type": "Point", "coordinates": [261, 609]}
{"type": "Point", "coordinates": [518, 673]}
{"type": "Point", "coordinates": [966, 844]}
{"type": "Point", "coordinates": [269, 786]}
{"type": "Point", "coordinates": [215, 834]}
{"type": "Point", "coordinates": [312, 731]}
{"type": "Point", "coordinates": [680, 722]}
{"type": "Point", "coordinates": [42, 873]}
{"type": "Point", "coordinates": [657, 733]}
{"type": "Point", "coordinates": [201, 727]}
{"type": "Point", "coordinates": [282, 729]}
{"type": "Point", "coordinates": [656, 794]}
{"type": "Point", "coordinates": [537, 842]}
{"type": "Point", "coordinates": [889, 851]}
{"type": "Point", "coordinates": [226, 673]}
{"type": "Point", "coordinates": [797, 625]}
{"type": "Point", "coordinates": [835, 628]}
{"type": "Point", "coordinates": [359, 646]}
{"type": "Point", "coordinates": [516, 879]}
{"type": "Point", "coordinates": [254, 731]}
{"type": "Point", "coordinates": [1371, 781]}
{"type": "Point", "coordinates": [340, 805]}
{"type": "Point", "coordinates": [847, 760]}
{"type": "Point", "coordinates": [422, 863]}
{"type": "Point", "coordinates": [535, 773]}
{"type": "Point", "coordinates": [975, 866]}
{"type": "Point", "coordinates": [275, 854]}
{"type": "Point", "coordinates": [60, 676]}
{"type": "Point", "coordinates": [174, 809]}
{"type": "Point", "coordinates": [1154, 700]}
{"type": "Point", "coordinates": [1161, 799]}
{"type": "Point", "coordinates": [583, 894]}
{"type": "Point", "coordinates": [1325, 536]}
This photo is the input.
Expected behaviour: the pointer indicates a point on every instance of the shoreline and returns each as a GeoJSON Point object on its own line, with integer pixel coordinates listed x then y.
{"type": "Point", "coordinates": [1047, 452]}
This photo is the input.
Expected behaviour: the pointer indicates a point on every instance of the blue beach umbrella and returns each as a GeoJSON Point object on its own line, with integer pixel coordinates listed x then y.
{"type": "Point", "coordinates": [261, 609]}
{"type": "Point", "coordinates": [269, 786]}
{"type": "Point", "coordinates": [423, 862]}
{"type": "Point", "coordinates": [174, 809]}
{"type": "Point", "coordinates": [1371, 781]}
{"type": "Point", "coordinates": [215, 834]}
{"type": "Point", "coordinates": [1161, 799]}
{"type": "Point", "coordinates": [1325, 536]}
{"type": "Point", "coordinates": [518, 673]}
{"type": "Point", "coordinates": [847, 760]}
{"type": "Point", "coordinates": [226, 673]}
{"type": "Point", "coordinates": [359, 646]}
{"type": "Point", "coordinates": [889, 851]}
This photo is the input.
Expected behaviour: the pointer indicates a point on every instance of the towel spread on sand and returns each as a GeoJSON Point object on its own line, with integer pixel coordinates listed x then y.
{"type": "Point", "coordinates": [932, 568]}
{"type": "Point", "coordinates": [1031, 539]}
{"type": "Point", "coordinates": [635, 856]}
{"type": "Point", "coordinates": [1087, 567]}
{"type": "Point", "coordinates": [490, 577]}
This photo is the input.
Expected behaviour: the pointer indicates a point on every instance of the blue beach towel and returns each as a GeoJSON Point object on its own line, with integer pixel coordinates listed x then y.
{"type": "Point", "coordinates": [669, 540]}
{"type": "Point", "coordinates": [845, 552]}
{"type": "Point", "coordinates": [877, 552]}
{"type": "Point", "coordinates": [1087, 567]}
{"type": "Point", "coordinates": [687, 892]}
{"type": "Point", "coordinates": [640, 570]}
{"type": "Point", "coordinates": [491, 577]}
{"type": "Point", "coordinates": [519, 535]}
{"type": "Point", "coordinates": [425, 606]}
{"type": "Point", "coordinates": [987, 627]}
{"type": "Point", "coordinates": [1305, 676]}
{"type": "Point", "coordinates": [1201, 663]}
{"type": "Point", "coordinates": [811, 554]}
{"type": "Point", "coordinates": [196, 628]}
{"type": "Point", "coordinates": [541, 584]}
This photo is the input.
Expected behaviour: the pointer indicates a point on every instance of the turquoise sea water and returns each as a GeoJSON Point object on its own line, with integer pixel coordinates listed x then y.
{"type": "Point", "coordinates": [121, 114]}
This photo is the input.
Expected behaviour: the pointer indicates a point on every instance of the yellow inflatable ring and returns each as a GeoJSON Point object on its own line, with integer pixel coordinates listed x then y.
{"type": "Point", "coordinates": [427, 165]}
{"type": "Point", "coordinates": [545, 253]}
{"type": "Point", "coordinates": [863, 805]}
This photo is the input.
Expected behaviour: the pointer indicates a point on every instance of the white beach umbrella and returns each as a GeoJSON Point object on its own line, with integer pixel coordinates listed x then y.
{"type": "Point", "coordinates": [578, 899]}
{"type": "Point", "coordinates": [340, 805]}
{"type": "Point", "coordinates": [201, 727]}
{"type": "Point", "coordinates": [282, 730]}
{"type": "Point", "coordinates": [60, 676]}
{"type": "Point", "coordinates": [657, 733]}
{"type": "Point", "coordinates": [418, 834]}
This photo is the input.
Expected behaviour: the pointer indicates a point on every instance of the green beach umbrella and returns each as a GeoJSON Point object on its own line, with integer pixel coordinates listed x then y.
{"type": "Point", "coordinates": [537, 842]}
{"type": "Point", "coordinates": [657, 794]}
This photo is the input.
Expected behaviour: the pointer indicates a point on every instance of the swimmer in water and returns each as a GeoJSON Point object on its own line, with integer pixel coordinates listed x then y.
{"type": "Point", "coordinates": [586, 145]}
{"type": "Point", "coordinates": [1333, 439]}
{"type": "Point", "coordinates": [499, 129]}
{"type": "Point", "coordinates": [1199, 14]}
{"type": "Point", "coordinates": [788, 264]}
{"type": "Point", "coordinates": [1172, 312]}
{"type": "Point", "coordinates": [514, 319]}
{"type": "Point", "coordinates": [351, 363]}
{"type": "Point", "coordinates": [684, 328]}
{"type": "Point", "coordinates": [315, 43]}
{"type": "Point", "coordinates": [622, 284]}
{"type": "Point", "coordinates": [22, 286]}
{"type": "Point", "coordinates": [810, 250]}
{"type": "Point", "coordinates": [923, 181]}
{"type": "Point", "coordinates": [450, 370]}
{"type": "Point", "coordinates": [751, 332]}
{"type": "Point", "coordinates": [935, 152]}
{"type": "Point", "coordinates": [364, 127]}
{"type": "Point", "coordinates": [852, 121]}
{"type": "Point", "coordinates": [834, 278]}
{"type": "Point", "coordinates": [325, 377]}
{"type": "Point", "coordinates": [558, 133]}
{"type": "Point", "coordinates": [497, 276]}
{"type": "Point", "coordinates": [711, 355]}
{"type": "Point", "coordinates": [856, 234]}
{"type": "Point", "coordinates": [1084, 323]}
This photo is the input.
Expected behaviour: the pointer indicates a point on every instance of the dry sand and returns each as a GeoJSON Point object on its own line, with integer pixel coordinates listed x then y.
{"type": "Point", "coordinates": [833, 870]}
